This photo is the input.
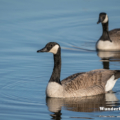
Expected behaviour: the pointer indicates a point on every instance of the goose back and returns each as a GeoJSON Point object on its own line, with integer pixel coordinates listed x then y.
{"type": "Point", "coordinates": [115, 36]}
{"type": "Point", "coordinates": [87, 84]}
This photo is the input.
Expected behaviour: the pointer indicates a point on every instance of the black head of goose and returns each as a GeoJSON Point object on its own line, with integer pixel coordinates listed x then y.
{"type": "Point", "coordinates": [80, 84]}
{"type": "Point", "coordinates": [110, 40]}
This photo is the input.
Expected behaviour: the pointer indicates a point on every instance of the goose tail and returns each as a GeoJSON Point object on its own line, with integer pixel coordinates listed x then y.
{"type": "Point", "coordinates": [117, 74]}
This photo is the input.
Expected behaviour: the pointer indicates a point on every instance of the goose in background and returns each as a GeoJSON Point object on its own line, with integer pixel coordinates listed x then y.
{"type": "Point", "coordinates": [110, 40]}
{"type": "Point", "coordinates": [80, 84]}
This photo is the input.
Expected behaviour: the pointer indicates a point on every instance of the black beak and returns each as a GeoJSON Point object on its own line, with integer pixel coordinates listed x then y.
{"type": "Point", "coordinates": [43, 50]}
{"type": "Point", "coordinates": [99, 21]}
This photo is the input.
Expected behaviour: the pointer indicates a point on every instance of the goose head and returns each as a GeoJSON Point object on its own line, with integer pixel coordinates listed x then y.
{"type": "Point", "coordinates": [103, 18]}
{"type": "Point", "coordinates": [52, 47]}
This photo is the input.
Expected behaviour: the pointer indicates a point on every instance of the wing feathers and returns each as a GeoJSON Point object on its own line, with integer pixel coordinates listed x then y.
{"type": "Point", "coordinates": [89, 83]}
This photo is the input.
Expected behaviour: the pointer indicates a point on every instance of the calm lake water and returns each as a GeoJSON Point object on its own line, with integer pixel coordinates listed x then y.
{"type": "Point", "coordinates": [25, 27]}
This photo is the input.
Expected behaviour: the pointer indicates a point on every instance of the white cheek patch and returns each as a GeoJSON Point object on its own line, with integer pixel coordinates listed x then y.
{"type": "Point", "coordinates": [54, 49]}
{"type": "Point", "coordinates": [106, 19]}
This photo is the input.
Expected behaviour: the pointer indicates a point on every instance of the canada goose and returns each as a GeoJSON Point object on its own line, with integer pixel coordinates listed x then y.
{"type": "Point", "coordinates": [110, 40]}
{"type": "Point", "coordinates": [79, 84]}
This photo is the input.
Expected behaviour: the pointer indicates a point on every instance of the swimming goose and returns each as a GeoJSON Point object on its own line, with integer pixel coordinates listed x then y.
{"type": "Point", "coordinates": [80, 84]}
{"type": "Point", "coordinates": [110, 40]}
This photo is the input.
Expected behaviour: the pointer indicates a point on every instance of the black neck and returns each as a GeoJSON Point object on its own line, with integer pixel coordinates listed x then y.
{"type": "Point", "coordinates": [105, 35]}
{"type": "Point", "coordinates": [55, 77]}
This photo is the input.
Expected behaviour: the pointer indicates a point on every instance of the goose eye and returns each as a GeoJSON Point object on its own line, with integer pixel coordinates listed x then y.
{"type": "Point", "coordinates": [103, 17]}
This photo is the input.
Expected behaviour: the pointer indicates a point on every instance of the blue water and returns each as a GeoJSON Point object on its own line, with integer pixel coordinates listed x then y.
{"type": "Point", "coordinates": [25, 27]}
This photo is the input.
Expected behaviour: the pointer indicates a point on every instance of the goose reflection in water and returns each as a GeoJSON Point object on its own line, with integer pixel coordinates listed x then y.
{"type": "Point", "coordinates": [107, 56]}
{"type": "Point", "coordinates": [84, 104]}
